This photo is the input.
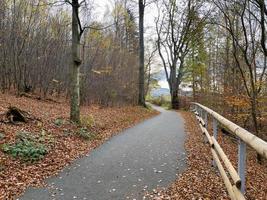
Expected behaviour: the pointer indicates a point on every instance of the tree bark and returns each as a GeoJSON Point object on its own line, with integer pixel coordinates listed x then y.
{"type": "Point", "coordinates": [175, 99]}
{"type": "Point", "coordinates": [75, 66]}
{"type": "Point", "coordinates": [141, 97]}
{"type": "Point", "coordinates": [174, 87]}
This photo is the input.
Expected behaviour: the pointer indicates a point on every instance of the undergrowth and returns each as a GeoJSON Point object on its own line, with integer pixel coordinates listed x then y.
{"type": "Point", "coordinates": [28, 146]}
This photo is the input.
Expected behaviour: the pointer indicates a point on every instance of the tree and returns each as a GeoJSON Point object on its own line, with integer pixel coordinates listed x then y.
{"type": "Point", "coordinates": [174, 32]}
{"type": "Point", "coordinates": [262, 20]}
{"type": "Point", "coordinates": [77, 32]}
{"type": "Point", "coordinates": [244, 22]}
{"type": "Point", "coordinates": [148, 66]}
{"type": "Point", "coordinates": [141, 96]}
{"type": "Point", "coordinates": [75, 65]}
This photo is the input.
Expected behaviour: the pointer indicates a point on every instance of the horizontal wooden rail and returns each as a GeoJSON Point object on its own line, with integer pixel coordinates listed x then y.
{"type": "Point", "coordinates": [226, 180]}
{"type": "Point", "coordinates": [237, 190]}
{"type": "Point", "coordinates": [209, 138]}
{"type": "Point", "coordinates": [253, 141]}
{"type": "Point", "coordinates": [215, 145]}
{"type": "Point", "coordinates": [234, 175]}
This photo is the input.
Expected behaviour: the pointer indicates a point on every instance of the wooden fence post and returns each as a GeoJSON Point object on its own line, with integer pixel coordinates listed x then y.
{"type": "Point", "coordinates": [245, 138]}
{"type": "Point", "coordinates": [206, 120]}
{"type": "Point", "coordinates": [242, 164]}
{"type": "Point", "coordinates": [215, 134]}
{"type": "Point", "coordinates": [215, 128]}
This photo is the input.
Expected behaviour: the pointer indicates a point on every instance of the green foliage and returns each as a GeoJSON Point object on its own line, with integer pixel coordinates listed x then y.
{"type": "Point", "coordinates": [59, 122]}
{"type": "Point", "coordinates": [88, 121]}
{"type": "Point", "coordinates": [196, 60]}
{"type": "Point", "coordinates": [27, 150]}
{"type": "Point", "coordinates": [29, 147]}
{"type": "Point", "coordinates": [86, 135]}
{"type": "Point", "coordinates": [163, 101]}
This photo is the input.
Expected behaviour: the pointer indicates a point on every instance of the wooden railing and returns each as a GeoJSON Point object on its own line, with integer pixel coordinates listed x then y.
{"type": "Point", "coordinates": [235, 186]}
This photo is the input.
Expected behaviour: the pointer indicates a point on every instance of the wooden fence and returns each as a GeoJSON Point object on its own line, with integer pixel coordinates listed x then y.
{"type": "Point", "coordinates": [235, 186]}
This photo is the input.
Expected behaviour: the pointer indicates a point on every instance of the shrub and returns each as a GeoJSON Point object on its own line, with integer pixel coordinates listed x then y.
{"type": "Point", "coordinates": [27, 150]}
{"type": "Point", "coordinates": [87, 121]}
{"type": "Point", "coordinates": [29, 147]}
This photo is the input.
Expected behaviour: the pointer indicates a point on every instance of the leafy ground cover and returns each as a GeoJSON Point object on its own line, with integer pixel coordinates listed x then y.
{"type": "Point", "coordinates": [33, 151]}
{"type": "Point", "coordinates": [201, 180]}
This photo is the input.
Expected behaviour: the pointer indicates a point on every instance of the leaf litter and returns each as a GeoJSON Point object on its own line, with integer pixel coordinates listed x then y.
{"type": "Point", "coordinates": [200, 180]}
{"type": "Point", "coordinates": [16, 175]}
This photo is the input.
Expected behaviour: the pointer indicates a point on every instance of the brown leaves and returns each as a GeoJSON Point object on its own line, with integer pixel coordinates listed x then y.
{"type": "Point", "coordinates": [17, 175]}
{"type": "Point", "coordinates": [201, 180]}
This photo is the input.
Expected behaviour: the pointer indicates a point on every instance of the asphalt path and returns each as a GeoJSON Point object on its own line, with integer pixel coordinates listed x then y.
{"type": "Point", "coordinates": [140, 159]}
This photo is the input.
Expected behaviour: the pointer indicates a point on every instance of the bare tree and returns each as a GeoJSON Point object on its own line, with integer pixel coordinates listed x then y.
{"type": "Point", "coordinates": [243, 21]}
{"type": "Point", "coordinates": [174, 30]}
{"type": "Point", "coordinates": [262, 20]}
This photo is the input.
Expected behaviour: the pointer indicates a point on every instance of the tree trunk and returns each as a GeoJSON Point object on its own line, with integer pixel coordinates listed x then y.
{"type": "Point", "coordinates": [75, 66]}
{"type": "Point", "coordinates": [255, 122]}
{"type": "Point", "coordinates": [141, 97]}
{"type": "Point", "coordinates": [173, 84]}
{"type": "Point", "coordinates": [174, 99]}
{"type": "Point", "coordinates": [194, 87]}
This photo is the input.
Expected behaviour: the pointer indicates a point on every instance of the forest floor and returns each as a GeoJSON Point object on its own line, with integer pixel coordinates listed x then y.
{"type": "Point", "coordinates": [201, 180]}
{"type": "Point", "coordinates": [65, 141]}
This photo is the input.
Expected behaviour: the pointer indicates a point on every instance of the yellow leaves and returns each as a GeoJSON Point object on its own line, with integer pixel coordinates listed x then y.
{"type": "Point", "coordinates": [106, 43]}
{"type": "Point", "coordinates": [96, 36]}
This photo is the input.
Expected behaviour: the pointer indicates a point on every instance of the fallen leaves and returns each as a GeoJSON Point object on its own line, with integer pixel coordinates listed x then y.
{"type": "Point", "coordinates": [16, 175]}
{"type": "Point", "coordinates": [201, 180]}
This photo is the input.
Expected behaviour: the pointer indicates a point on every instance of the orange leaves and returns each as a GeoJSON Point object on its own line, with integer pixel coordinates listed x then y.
{"type": "Point", "coordinates": [16, 176]}
{"type": "Point", "coordinates": [240, 101]}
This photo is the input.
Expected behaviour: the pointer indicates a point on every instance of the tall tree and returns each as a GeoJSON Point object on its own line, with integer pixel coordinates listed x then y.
{"type": "Point", "coordinates": [141, 97]}
{"type": "Point", "coordinates": [75, 64]}
{"type": "Point", "coordinates": [174, 31]}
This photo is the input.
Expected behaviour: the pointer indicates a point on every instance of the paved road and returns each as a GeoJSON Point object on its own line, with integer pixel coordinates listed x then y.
{"type": "Point", "coordinates": [141, 158]}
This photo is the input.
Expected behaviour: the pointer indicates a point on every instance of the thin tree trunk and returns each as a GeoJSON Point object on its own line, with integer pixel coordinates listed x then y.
{"type": "Point", "coordinates": [254, 109]}
{"type": "Point", "coordinates": [75, 66]}
{"type": "Point", "coordinates": [141, 98]}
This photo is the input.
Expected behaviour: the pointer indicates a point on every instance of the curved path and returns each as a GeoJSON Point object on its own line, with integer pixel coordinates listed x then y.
{"type": "Point", "coordinates": [139, 159]}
